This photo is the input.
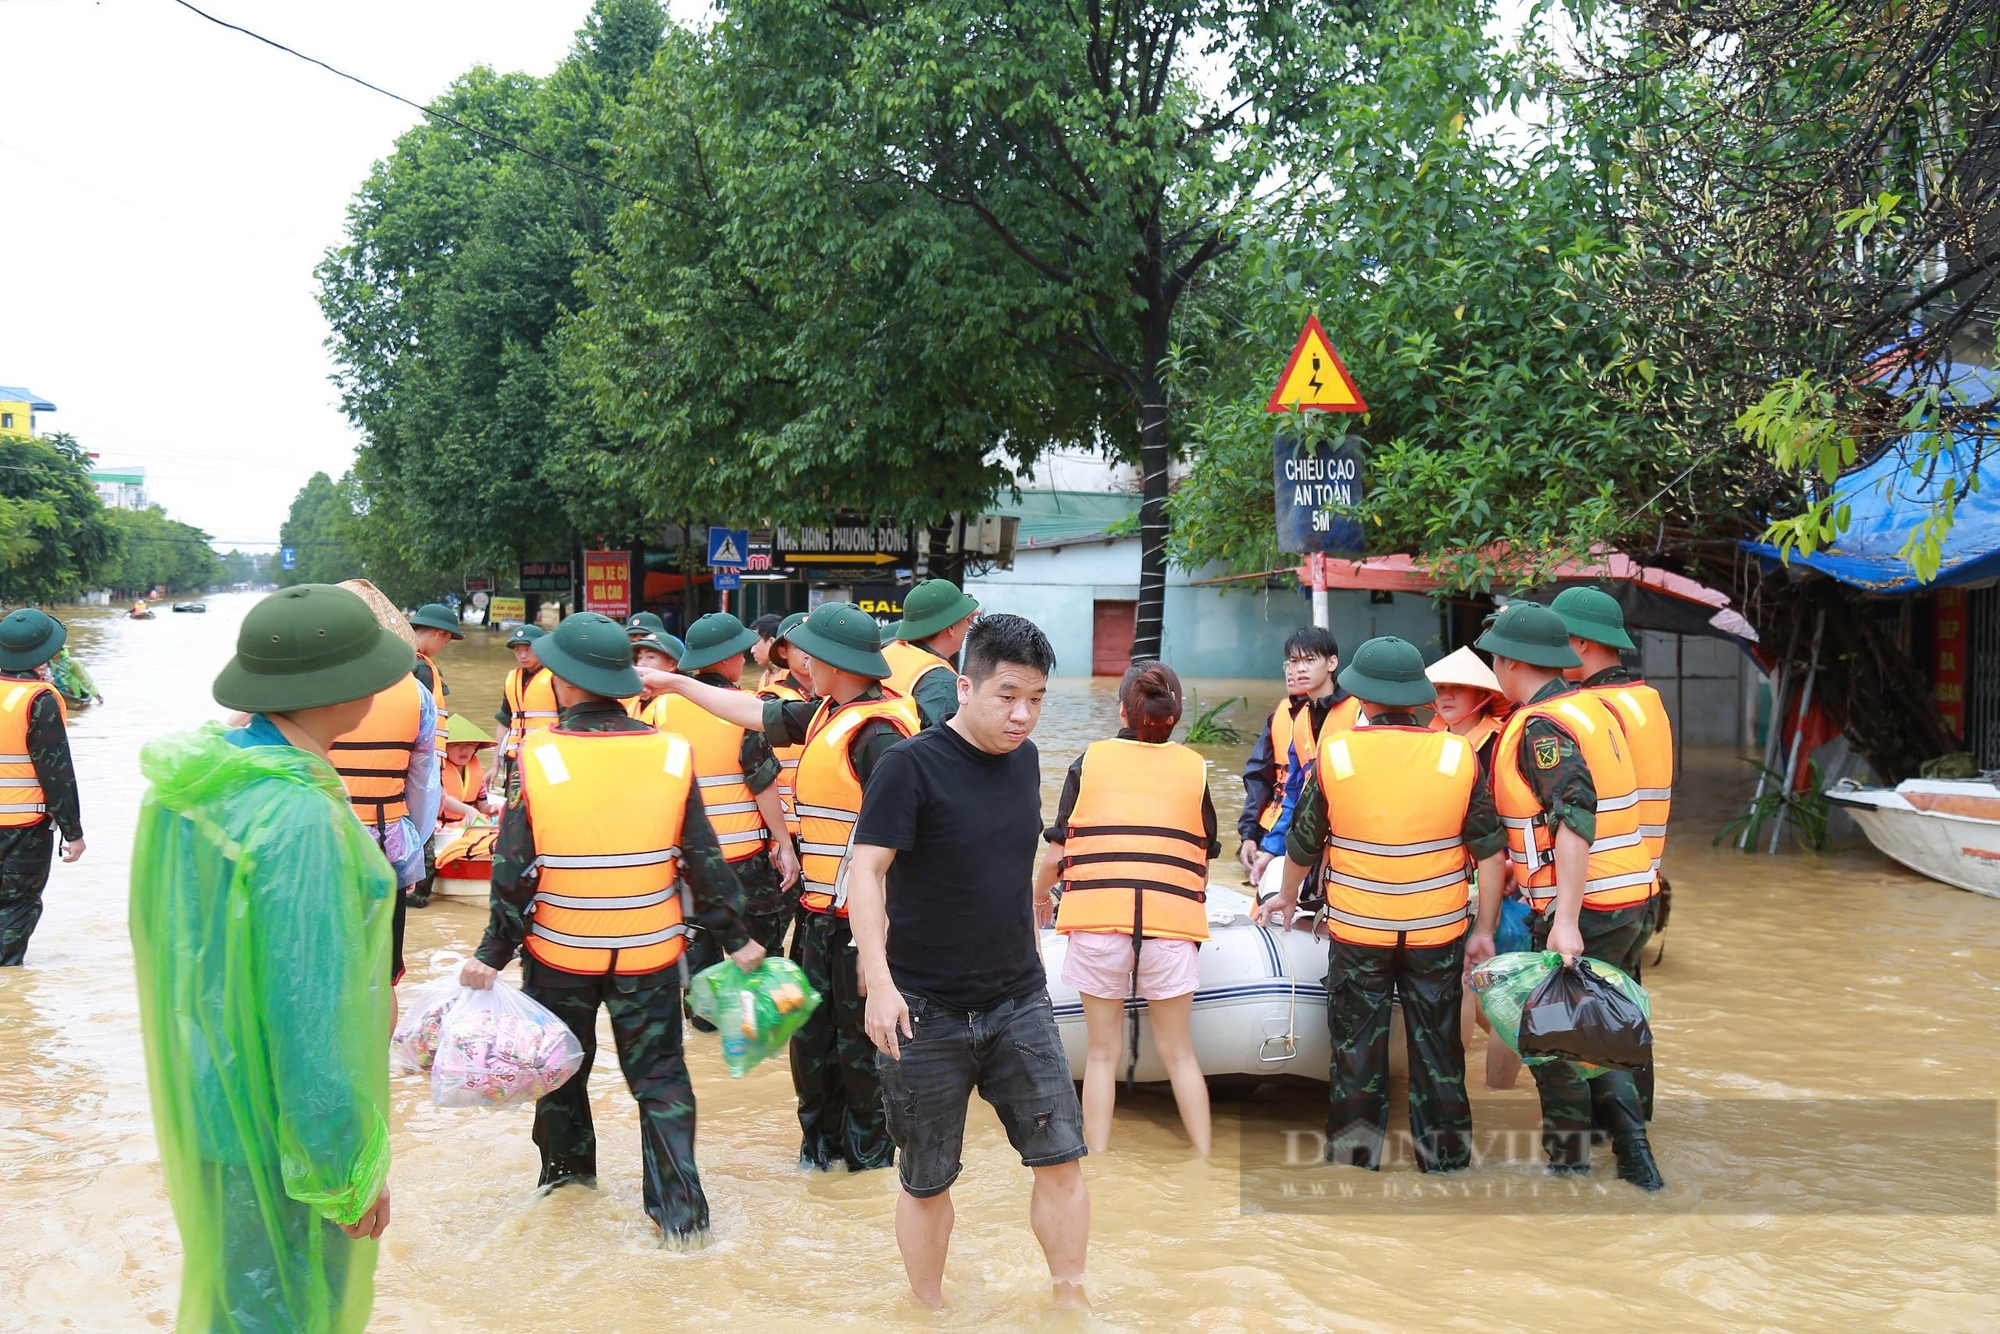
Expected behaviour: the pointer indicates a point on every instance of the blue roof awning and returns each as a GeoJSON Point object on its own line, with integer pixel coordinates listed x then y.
{"type": "Point", "coordinates": [36, 403]}
{"type": "Point", "coordinates": [1889, 498]}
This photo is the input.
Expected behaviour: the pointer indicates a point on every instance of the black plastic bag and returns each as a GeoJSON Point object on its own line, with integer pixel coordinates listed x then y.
{"type": "Point", "coordinates": [1580, 1014]}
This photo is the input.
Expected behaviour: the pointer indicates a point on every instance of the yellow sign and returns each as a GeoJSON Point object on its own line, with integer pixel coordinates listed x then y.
{"type": "Point", "coordinates": [873, 558]}
{"type": "Point", "coordinates": [507, 609]}
{"type": "Point", "coordinates": [1314, 379]}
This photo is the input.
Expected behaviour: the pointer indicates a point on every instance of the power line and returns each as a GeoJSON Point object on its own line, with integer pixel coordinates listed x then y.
{"type": "Point", "coordinates": [434, 114]}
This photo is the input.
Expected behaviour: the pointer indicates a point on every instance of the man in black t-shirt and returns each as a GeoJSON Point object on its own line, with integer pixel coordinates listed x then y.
{"type": "Point", "coordinates": [940, 894]}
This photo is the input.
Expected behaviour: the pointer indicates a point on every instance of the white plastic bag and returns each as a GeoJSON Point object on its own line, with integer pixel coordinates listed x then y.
{"type": "Point", "coordinates": [414, 1043]}
{"type": "Point", "coordinates": [499, 1047]}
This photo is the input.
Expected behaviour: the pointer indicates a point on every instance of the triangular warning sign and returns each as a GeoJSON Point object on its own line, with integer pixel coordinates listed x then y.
{"type": "Point", "coordinates": [726, 553]}
{"type": "Point", "coordinates": [1314, 377]}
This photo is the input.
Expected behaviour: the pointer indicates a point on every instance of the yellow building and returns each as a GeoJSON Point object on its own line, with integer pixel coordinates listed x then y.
{"type": "Point", "coordinates": [18, 408]}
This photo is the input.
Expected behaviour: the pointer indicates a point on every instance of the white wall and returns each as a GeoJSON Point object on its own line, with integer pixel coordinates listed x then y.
{"type": "Point", "coordinates": [1225, 630]}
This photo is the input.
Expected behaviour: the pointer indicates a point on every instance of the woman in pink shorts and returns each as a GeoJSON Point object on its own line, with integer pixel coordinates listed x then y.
{"type": "Point", "coordinates": [1131, 844]}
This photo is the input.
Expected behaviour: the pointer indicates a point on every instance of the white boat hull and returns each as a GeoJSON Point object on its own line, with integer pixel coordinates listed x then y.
{"type": "Point", "coordinates": [453, 887]}
{"type": "Point", "coordinates": [1939, 828]}
{"type": "Point", "coordinates": [1259, 1012]}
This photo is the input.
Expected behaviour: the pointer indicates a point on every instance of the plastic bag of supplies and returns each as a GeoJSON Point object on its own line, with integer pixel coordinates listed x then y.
{"type": "Point", "coordinates": [413, 1046]}
{"type": "Point", "coordinates": [756, 1014]}
{"type": "Point", "coordinates": [498, 1047]}
{"type": "Point", "coordinates": [1592, 1014]}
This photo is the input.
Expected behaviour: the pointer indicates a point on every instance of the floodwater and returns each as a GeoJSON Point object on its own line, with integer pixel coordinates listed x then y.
{"type": "Point", "coordinates": [1793, 991]}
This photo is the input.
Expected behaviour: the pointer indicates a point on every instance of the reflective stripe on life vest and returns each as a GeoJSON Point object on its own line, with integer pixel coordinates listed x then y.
{"type": "Point", "coordinates": [374, 759]}
{"type": "Point", "coordinates": [606, 810]}
{"type": "Point", "coordinates": [1621, 870]}
{"type": "Point", "coordinates": [718, 767]}
{"type": "Point", "coordinates": [829, 794]}
{"type": "Point", "coordinates": [1650, 737]}
{"type": "Point", "coordinates": [1136, 859]}
{"type": "Point", "coordinates": [1394, 862]}
{"type": "Point", "coordinates": [24, 801]}
{"type": "Point", "coordinates": [788, 756]}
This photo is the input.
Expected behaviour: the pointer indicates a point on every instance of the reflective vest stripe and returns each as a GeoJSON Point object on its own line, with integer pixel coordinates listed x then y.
{"type": "Point", "coordinates": [822, 850]}
{"type": "Point", "coordinates": [1610, 882]}
{"type": "Point", "coordinates": [1396, 886]}
{"type": "Point", "coordinates": [734, 808]}
{"type": "Point", "coordinates": [829, 812]}
{"type": "Point", "coordinates": [718, 780]}
{"type": "Point", "coordinates": [1400, 927]}
{"type": "Point", "coordinates": [1656, 794]}
{"type": "Point", "coordinates": [1620, 861]}
{"type": "Point", "coordinates": [752, 836]}
{"type": "Point", "coordinates": [607, 860]}
{"type": "Point", "coordinates": [21, 808]}
{"type": "Point", "coordinates": [585, 904]}
{"type": "Point", "coordinates": [539, 713]}
{"type": "Point", "coordinates": [20, 782]}
{"type": "Point", "coordinates": [1653, 830]}
{"type": "Point", "coordinates": [530, 706]}
{"type": "Point", "coordinates": [1618, 841]}
{"type": "Point", "coordinates": [726, 798]}
{"type": "Point", "coordinates": [1396, 849]}
{"type": "Point", "coordinates": [1624, 803]}
{"type": "Point", "coordinates": [17, 759]}
{"type": "Point", "coordinates": [677, 930]}
{"type": "Point", "coordinates": [1649, 734]}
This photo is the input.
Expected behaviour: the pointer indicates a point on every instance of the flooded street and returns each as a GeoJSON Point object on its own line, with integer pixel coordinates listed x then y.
{"type": "Point", "coordinates": [1793, 991]}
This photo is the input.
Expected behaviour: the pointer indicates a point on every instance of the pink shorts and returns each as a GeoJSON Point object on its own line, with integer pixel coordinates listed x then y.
{"type": "Point", "coordinates": [1100, 964]}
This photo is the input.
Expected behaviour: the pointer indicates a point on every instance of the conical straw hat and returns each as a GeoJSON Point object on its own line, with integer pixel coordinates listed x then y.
{"type": "Point", "coordinates": [386, 613]}
{"type": "Point", "coordinates": [1463, 668]}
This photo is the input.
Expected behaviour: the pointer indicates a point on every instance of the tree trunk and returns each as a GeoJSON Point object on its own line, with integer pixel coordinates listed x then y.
{"type": "Point", "coordinates": [1152, 517]}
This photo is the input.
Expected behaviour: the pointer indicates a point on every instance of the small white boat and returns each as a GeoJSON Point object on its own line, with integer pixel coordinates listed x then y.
{"type": "Point", "coordinates": [1260, 1010]}
{"type": "Point", "coordinates": [1945, 828]}
{"type": "Point", "coordinates": [464, 874]}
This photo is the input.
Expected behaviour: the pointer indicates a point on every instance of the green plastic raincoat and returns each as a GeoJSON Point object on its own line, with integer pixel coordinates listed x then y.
{"type": "Point", "coordinates": [260, 921]}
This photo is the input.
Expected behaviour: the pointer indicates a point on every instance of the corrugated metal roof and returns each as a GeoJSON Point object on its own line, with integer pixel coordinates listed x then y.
{"type": "Point", "coordinates": [14, 394]}
{"type": "Point", "coordinates": [1061, 516]}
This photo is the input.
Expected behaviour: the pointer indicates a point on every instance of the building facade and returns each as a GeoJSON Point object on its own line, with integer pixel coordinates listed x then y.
{"type": "Point", "coordinates": [19, 409]}
{"type": "Point", "coordinates": [120, 488]}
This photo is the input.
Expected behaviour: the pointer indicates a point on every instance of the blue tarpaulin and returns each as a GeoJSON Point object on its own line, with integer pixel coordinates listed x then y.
{"type": "Point", "coordinates": [1889, 498]}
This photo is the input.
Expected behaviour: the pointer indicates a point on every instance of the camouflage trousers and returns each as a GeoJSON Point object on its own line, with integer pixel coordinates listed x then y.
{"type": "Point", "coordinates": [1363, 983]}
{"type": "Point", "coordinates": [25, 854]}
{"type": "Point", "coordinates": [1571, 1104]}
{"type": "Point", "coordinates": [833, 1061]}
{"type": "Point", "coordinates": [646, 1025]}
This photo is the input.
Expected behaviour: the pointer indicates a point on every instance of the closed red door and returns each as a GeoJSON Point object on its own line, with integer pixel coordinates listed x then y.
{"type": "Point", "coordinates": [1112, 627]}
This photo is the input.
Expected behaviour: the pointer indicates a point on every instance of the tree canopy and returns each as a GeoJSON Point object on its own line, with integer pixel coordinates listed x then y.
{"type": "Point", "coordinates": [56, 539]}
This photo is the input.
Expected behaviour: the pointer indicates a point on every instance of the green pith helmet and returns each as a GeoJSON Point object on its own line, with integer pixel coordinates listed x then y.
{"type": "Point", "coordinates": [844, 637]}
{"type": "Point", "coordinates": [461, 730]}
{"type": "Point", "coordinates": [1592, 614]}
{"type": "Point", "coordinates": [28, 638]}
{"type": "Point", "coordinates": [1390, 672]}
{"type": "Point", "coordinates": [933, 605]}
{"type": "Point", "coordinates": [309, 646]}
{"type": "Point", "coordinates": [714, 637]}
{"type": "Point", "coordinates": [592, 652]}
{"type": "Point", "coordinates": [666, 644]}
{"type": "Point", "coordinates": [525, 634]}
{"type": "Point", "coordinates": [437, 616]}
{"type": "Point", "coordinates": [644, 623]}
{"type": "Point", "coordinates": [1531, 633]}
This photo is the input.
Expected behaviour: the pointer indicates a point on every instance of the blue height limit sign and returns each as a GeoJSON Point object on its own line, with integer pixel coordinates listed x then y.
{"type": "Point", "coordinates": [1318, 494]}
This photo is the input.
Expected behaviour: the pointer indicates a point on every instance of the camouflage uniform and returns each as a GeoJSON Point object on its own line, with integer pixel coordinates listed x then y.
{"type": "Point", "coordinates": [1571, 1104]}
{"type": "Point", "coordinates": [1365, 982]}
{"type": "Point", "coordinates": [833, 1060]}
{"type": "Point", "coordinates": [26, 850]}
{"type": "Point", "coordinates": [768, 907]}
{"type": "Point", "coordinates": [645, 1009]}
{"type": "Point", "coordinates": [937, 694]}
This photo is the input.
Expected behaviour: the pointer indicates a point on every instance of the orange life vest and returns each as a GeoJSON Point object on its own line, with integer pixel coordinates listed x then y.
{"type": "Point", "coordinates": [718, 771]}
{"type": "Point", "coordinates": [437, 686]}
{"type": "Point", "coordinates": [788, 756]}
{"type": "Point", "coordinates": [22, 801]}
{"type": "Point", "coordinates": [1643, 714]}
{"type": "Point", "coordinates": [463, 784]}
{"type": "Point", "coordinates": [1342, 717]}
{"type": "Point", "coordinates": [829, 793]}
{"type": "Point", "coordinates": [910, 663]}
{"type": "Point", "coordinates": [606, 808]}
{"type": "Point", "coordinates": [530, 706]}
{"type": "Point", "coordinates": [1291, 733]}
{"type": "Point", "coordinates": [1395, 859]}
{"type": "Point", "coordinates": [1136, 860]}
{"type": "Point", "coordinates": [374, 759]}
{"type": "Point", "coordinates": [1621, 870]}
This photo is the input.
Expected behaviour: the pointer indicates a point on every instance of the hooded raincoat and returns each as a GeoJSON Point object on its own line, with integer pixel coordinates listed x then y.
{"type": "Point", "coordinates": [260, 919]}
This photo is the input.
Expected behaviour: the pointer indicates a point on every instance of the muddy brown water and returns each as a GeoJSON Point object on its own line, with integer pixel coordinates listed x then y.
{"type": "Point", "coordinates": [1794, 991]}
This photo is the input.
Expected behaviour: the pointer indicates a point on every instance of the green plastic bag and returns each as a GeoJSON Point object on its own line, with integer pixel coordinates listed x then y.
{"type": "Point", "coordinates": [1505, 982]}
{"type": "Point", "coordinates": [755, 1015]}
{"type": "Point", "coordinates": [260, 914]}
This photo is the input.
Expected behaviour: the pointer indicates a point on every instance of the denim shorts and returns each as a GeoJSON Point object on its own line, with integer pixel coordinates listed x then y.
{"type": "Point", "coordinates": [1012, 1054]}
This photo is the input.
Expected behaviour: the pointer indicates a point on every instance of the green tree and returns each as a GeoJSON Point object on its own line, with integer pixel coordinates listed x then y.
{"type": "Point", "coordinates": [459, 263]}
{"type": "Point", "coordinates": [318, 531]}
{"type": "Point", "coordinates": [158, 552]}
{"type": "Point", "coordinates": [246, 567]}
{"type": "Point", "coordinates": [55, 536]}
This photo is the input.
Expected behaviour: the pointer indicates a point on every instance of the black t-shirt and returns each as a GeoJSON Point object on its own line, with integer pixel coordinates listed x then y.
{"type": "Point", "coordinates": [965, 826]}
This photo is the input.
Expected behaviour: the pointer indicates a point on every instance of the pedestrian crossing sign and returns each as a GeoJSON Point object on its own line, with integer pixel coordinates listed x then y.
{"type": "Point", "coordinates": [729, 547]}
{"type": "Point", "coordinates": [1314, 379]}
